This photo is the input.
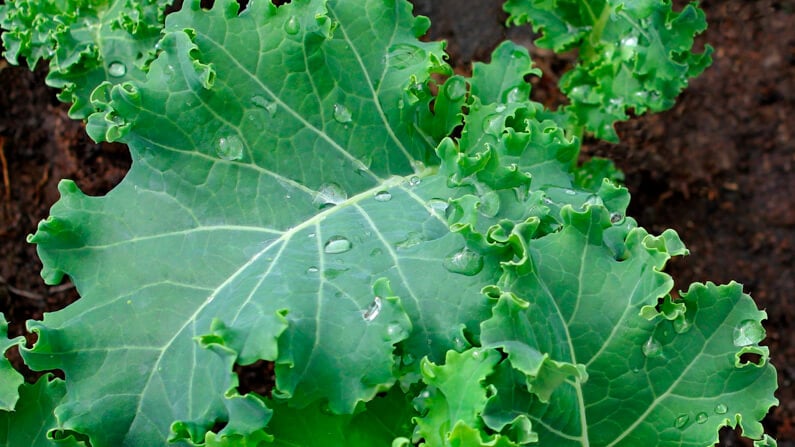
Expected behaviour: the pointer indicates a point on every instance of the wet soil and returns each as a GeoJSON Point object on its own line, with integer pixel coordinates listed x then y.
{"type": "Point", "coordinates": [717, 168]}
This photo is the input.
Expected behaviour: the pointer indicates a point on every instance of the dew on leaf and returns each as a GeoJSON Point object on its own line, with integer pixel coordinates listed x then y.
{"type": "Point", "coordinates": [330, 194]}
{"type": "Point", "coordinates": [402, 56]}
{"type": "Point", "coordinates": [493, 123]}
{"type": "Point", "coordinates": [464, 262]}
{"type": "Point", "coordinates": [489, 204]}
{"type": "Point", "coordinates": [701, 418]}
{"type": "Point", "coordinates": [229, 148]}
{"type": "Point", "coordinates": [630, 42]}
{"type": "Point", "coordinates": [342, 114]}
{"type": "Point", "coordinates": [336, 245]}
{"type": "Point", "coordinates": [682, 325]}
{"type": "Point", "coordinates": [651, 348]}
{"type": "Point", "coordinates": [373, 310]}
{"type": "Point", "coordinates": [681, 421]}
{"type": "Point", "coordinates": [376, 252]}
{"type": "Point", "coordinates": [514, 95]}
{"type": "Point", "coordinates": [412, 239]}
{"type": "Point", "coordinates": [438, 206]}
{"type": "Point", "coordinates": [748, 332]}
{"type": "Point", "coordinates": [414, 180]}
{"type": "Point", "coordinates": [261, 102]}
{"type": "Point", "coordinates": [570, 192]}
{"type": "Point", "coordinates": [292, 25]}
{"type": "Point", "coordinates": [721, 409]}
{"type": "Point", "coordinates": [616, 217]}
{"type": "Point", "coordinates": [395, 331]}
{"type": "Point", "coordinates": [117, 69]}
{"type": "Point", "coordinates": [455, 88]}
{"type": "Point", "coordinates": [383, 196]}
{"type": "Point", "coordinates": [312, 269]}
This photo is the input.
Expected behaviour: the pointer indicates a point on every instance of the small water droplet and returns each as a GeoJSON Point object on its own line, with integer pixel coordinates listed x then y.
{"type": "Point", "coordinates": [616, 218]}
{"type": "Point", "coordinates": [500, 108]}
{"type": "Point", "coordinates": [261, 102]}
{"type": "Point", "coordinates": [311, 235]}
{"type": "Point", "coordinates": [681, 421]}
{"type": "Point", "coordinates": [651, 348]}
{"type": "Point", "coordinates": [464, 262]}
{"type": "Point", "coordinates": [701, 418]}
{"type": "Point", "coordinates": [477, 353]}
{"type": "Point", "coordinates": [721, 409]}
{"type": "Point", "coordinates": [336, 245]}
{"type": "Point", "coordinates": [515, 95]}
{"type": "Point", "coordinates": [547, 201]}
{"type": "Point", "coordinates": [682, 324]}
{"type": "Point", "coordinates": [330, 194]}
{"type": "Point", "coordinates": [292, 25]}
{"type": "Point", "coordinates": [403, 56]}
{"type": "Point", "coordinates": [630, 42]}
{"type": "Point", "coordinates": [373, 310]}
{"type": "Point", "coordinates": [342, 114]}
{"type": "Point", "coordinates": [438, 206]}
{"type": "Point", "coordinates": [748, 332]}
{"type": "Point", "coordinates": [493, 123]}
{"type": "Point", "coordinates": [312, 269]}
{"type": "Point", "coordinates": [395, 332]}
{"type": "Point", "coordinates": [570, 192]}
{"type": "Point", "coordinates": [412, 239]}
{"type": "Point", "coordinates": [117, 69]}
{"type": "Point", "coordinates": [455, 88]}
{"type": "Point", "coordinates": [489, 204]}
{"type": "Point", "coordinates": [459, 344]}
{"type": "Point", "coordinates": [383, 196]}
{"type": "Point", "coordinates": [376, 252]}
{"type": "Point", "coordinates": [229, 148]}
{"type": "Point", "coordinates": [414, 180]}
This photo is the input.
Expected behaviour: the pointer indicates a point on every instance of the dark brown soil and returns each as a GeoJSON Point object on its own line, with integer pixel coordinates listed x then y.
{"type": "Point", "coordinates": [718, 168]}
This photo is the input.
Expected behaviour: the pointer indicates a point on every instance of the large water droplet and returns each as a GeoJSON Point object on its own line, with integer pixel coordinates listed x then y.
{"type": "Point", "coordinates": [230, 148]}
{"type": "Point", "coordinates": [402, 56]}
{"type": "Point", "coordinates": [748, 332]}
{"type": "Point", "coordinates": [262, 102]}
{"type": "Point", "coordinates": [702, 418]}
{"type": "Point", "coordinates": [342, 114]}
{"type": "Point", "coordinates": [438, 206]}
{"type": "Point", "coordinates": [330, 194]}
{"type": "Point", "coordinates": [383, 196]}
{"type": "Point", "coordinates": [682, 324]}
{"type": "Point", "coordinates": [117, 69]}
{"type": "Point", "coordinates": [464, 262]}
{"type": "Point", "coordinates": [681, 421]}
{"type": "Point", "coordinates": [373, 310]}
{"type": "Point", "coordinates": [337, 244]}
{"type": "Point", "coordinates": [652, 348]}
{"type": "Point", "coordinates": [292, 25]}
{"type": "Point", "coordinates": [515, 95]}
{"type": "Point", "coordinates": [721, 409]}
{"type": "Point", "coordinates": [455, 88]}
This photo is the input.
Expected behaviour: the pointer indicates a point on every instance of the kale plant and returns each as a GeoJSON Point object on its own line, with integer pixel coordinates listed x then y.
{"type": "Point", "coordinates": [418, 255]}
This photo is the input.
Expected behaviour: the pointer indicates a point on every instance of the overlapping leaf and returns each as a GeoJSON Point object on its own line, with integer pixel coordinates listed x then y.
{"type": "Point", "coordinates": [633, 55]}
{"type": "Point", "coordinates": [10, 379]}
{"type": "Point", "coordinates": [86, 42]}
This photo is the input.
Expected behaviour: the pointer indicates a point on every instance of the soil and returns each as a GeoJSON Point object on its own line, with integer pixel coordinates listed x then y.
{"type": "Point", "coordinates": [717, 168]}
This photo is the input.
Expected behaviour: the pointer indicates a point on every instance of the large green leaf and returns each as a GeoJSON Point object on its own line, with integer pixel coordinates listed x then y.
{"type": "Point", "coordinates": [10, 379]}
{"type": "Point", "coordinates": [87, 42]}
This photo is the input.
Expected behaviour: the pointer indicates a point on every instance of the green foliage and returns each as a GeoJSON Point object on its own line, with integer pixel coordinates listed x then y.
{"type": "Point", "coordinates": [423, 264]}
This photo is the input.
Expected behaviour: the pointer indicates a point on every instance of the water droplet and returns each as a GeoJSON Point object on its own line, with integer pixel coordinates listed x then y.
{"type": "Point", "coordinates": [493, 123]}
{"type": "Point", "coordinates": [312, 269]}
{"type": "Point", "coordinates": [412, 239]}
{"type": "Point", "coordinates": [333, 273]}
{"type": "Point", "coordinates": [701, 418]}
{"type": "Point", "coordinates": [261, 102]}
{"type": "Point", "coordinates": [414, 180]}
{"type": "Point", "coordinates": [438, 206]}
{"type": "Point", "coordinates": [330, 194]}
{"type": "Point", "coordinates": [748, 332]}
{"type": "Point", "coordinates": [376, 252]}
{"type": "Point", "coordinates": [477, 353]}
{"type": "Point", "coordinates": [682, 324]}
{"type": "Point", "coordinates": [630, 42]}
{"type": "Point", "coordinates": [383, 196]}
{"type": "Point", "coordinates": [230, 148]}
{"type": "Point", "coordinates": [515, 95]}
{"type": "Point", "coordinates": [721, 409]}
{"type": "Point", "coordinates": [342, 114]}
{"type": "Point", "coordinates": [402, 56]}
{"type": "Point", "coordinates": [651, 348]}
{"type": "Point", "coordinates": [395, 332]}
{"type": "Point", "coordinates": [459, 344]}
{"type": "Point", "coordinates": [117, 69]}
{"type": "Point", "coordinates": [681, 421]}
{"type": "Point", "coordinates": [336, 245]}
{"type": "Point", "coordinates": [311, 235]}
{"type": "Point", "coordinates": [500, 108]}
{"type": "Point", "coordinates": [489, 204]}
{"type": "Point", "coordinates": [616, 217]}
{"type": "Point", "coordinates": [292, 25]}
{"type": "Point", "coordinates": [464, 262]}
{"type": "Point", "coordinates": [455, 88]}
{"type": "Point", "coordinates": [548, 201]}
{"type": "Point", "coordinates": [373, 310]}
{"type": "Point", "coordinates": [570, 192]}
